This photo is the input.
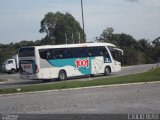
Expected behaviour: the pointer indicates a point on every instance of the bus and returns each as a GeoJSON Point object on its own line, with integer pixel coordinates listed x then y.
{"type": "Point", "coordinates": [70, 60]}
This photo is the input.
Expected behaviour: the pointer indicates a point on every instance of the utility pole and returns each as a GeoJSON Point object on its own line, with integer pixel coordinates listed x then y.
{"type": "Point", "coordinates": [79, 38]}
{"type": "Point", "coordinates": [66, 37]}
{"type": "Point", "coordinates": [82, 18]}
{"type": "Point", "coordinates": [73, 38]}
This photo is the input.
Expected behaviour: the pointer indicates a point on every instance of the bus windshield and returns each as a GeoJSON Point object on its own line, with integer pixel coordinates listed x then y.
{"type": "Point", "coordinates": [26, 52]}
{"type": "Point", "coordinates": [116, 53]}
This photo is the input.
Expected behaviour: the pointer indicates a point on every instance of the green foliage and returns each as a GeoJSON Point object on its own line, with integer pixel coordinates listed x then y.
{"type": "Point", "coordinates": [156, 50]}
{"type": "Point", "coordinates": [156, 42]}
{"type": "Point", "coordinates": [6, 51]}
{"type": "Point", "coordinates": [135, 52]}
{"type": "Point", "coordinates": [61, 29]}
{"type": "Point", "coordinates": [107, 35]}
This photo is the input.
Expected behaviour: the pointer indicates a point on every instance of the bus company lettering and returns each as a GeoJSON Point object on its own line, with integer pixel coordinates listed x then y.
{"type": "Point", "coordinates": [82, 63]}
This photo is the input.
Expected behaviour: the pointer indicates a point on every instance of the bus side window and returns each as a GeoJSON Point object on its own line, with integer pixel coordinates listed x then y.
{"type": "Point", "coordinates": [52, 52]}
{"type": "Point", "coordinates": [100, 51]}
{"type": "Point", "coordinates": [43, 54]}
{"type": "Point", "coordinates": [49, 55]}
{"type": "Point", "coordinates": [76, 53]}
{"type": "Point", "coordinates": [96, 51]}
{"type": "Point", "coordinates": [91, 52]}
{"type": "Point", "coordinates": [59, 54]}
{"type": "Point", "coordinates": [82, 52]}
{"type": "Point", "coordinates": [64, 53]}
{"type": "Point", "coordinates": [103, 51]}
{"type": "Point", "coordinates": [69, 52]}
{"type": "Point", "coordinates": [106, 52]}
{"type": "Point", "coordinates": [55, 53]}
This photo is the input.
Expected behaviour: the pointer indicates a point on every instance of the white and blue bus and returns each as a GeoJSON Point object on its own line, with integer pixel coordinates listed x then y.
{"type": "Point", "coordinates": [63, 61]}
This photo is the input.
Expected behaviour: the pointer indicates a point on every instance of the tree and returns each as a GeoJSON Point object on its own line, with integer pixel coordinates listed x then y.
{"type": "Point", "coordinates": [126, 41]}
{"type": "Point", "coordinates": [117, 39]}
{"type": "Point", "coordinates": [146, 48]}
{"type": "Point", "coordinates": [144, 45]}
{"type": "Point", "coordinates": [61, 29]}
{"type": "Point", "coordinates": [107, 35]}
{"type": "Point", "coordinates": [156, 45]}
{"type": "Point", "coordinates": [156, 42]}
{"type": "Point", "coordinates": [6, 51]}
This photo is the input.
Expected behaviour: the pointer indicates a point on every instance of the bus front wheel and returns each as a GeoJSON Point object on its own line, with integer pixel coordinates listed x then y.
{"type": "Point", "coordinates": [107, 71]}
{"type": "Point", "coordinates": [62, 75]}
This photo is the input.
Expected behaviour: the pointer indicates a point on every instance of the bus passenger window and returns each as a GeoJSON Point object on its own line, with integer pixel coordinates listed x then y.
{"type": "Point", "coordinates": [82, 52]}
{"type": "Point", "coordinates": [95, 51]}
{"type": "Point", "coordinates": [64, 53]}
{"type": "Point", "coordinates": [52, 52]}
{"type": "Point", "coordinates": [69, 53]}
{"type": "Point", "coordinates": [43, 54]}
{"type": "Point", "coordinates": [76, 53]}
{"type": "Point", "coordinates": [49, 55]}
{"type": "Point", "coordinates": [103, 51]}
{"type": "Point", "coordinates": [90, 52]}
{"type": "Point", "coordinates": [58, 54]}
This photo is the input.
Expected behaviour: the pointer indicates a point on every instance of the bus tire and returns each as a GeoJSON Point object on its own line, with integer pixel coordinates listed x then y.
{"type": "Point", "coordinates": [62, 75]}
{"type": "Point", "coordinates": [91, 75]}
{"type": "Point", "coordinates": [107, 71]}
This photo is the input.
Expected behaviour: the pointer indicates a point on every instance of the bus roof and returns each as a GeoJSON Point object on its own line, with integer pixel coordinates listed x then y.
{"type": "Point", "coordinates": [73, 45]}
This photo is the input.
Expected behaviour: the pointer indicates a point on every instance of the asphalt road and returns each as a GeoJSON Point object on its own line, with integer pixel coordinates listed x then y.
{"type": "Point", "coordinates": [13, 80]}
{"type": "Point", "coordinates": [126, 99]}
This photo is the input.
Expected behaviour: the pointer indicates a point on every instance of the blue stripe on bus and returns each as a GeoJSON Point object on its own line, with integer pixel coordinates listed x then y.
{"type": "Point", "coordinates": [85, 70]}
{"type": "Point", "coordinates": [72, 62]}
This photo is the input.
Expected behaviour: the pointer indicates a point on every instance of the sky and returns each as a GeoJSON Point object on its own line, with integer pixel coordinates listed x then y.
{"type": "Point", "coordinates": [20, 19]}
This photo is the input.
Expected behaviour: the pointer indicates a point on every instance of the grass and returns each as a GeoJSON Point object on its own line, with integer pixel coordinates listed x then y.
{"type": "Point", "coordinates": [152, 75]}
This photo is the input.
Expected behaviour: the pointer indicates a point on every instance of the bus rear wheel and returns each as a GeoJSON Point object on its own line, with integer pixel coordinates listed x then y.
{"type": "Point", "coordinates": [62, 75]}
